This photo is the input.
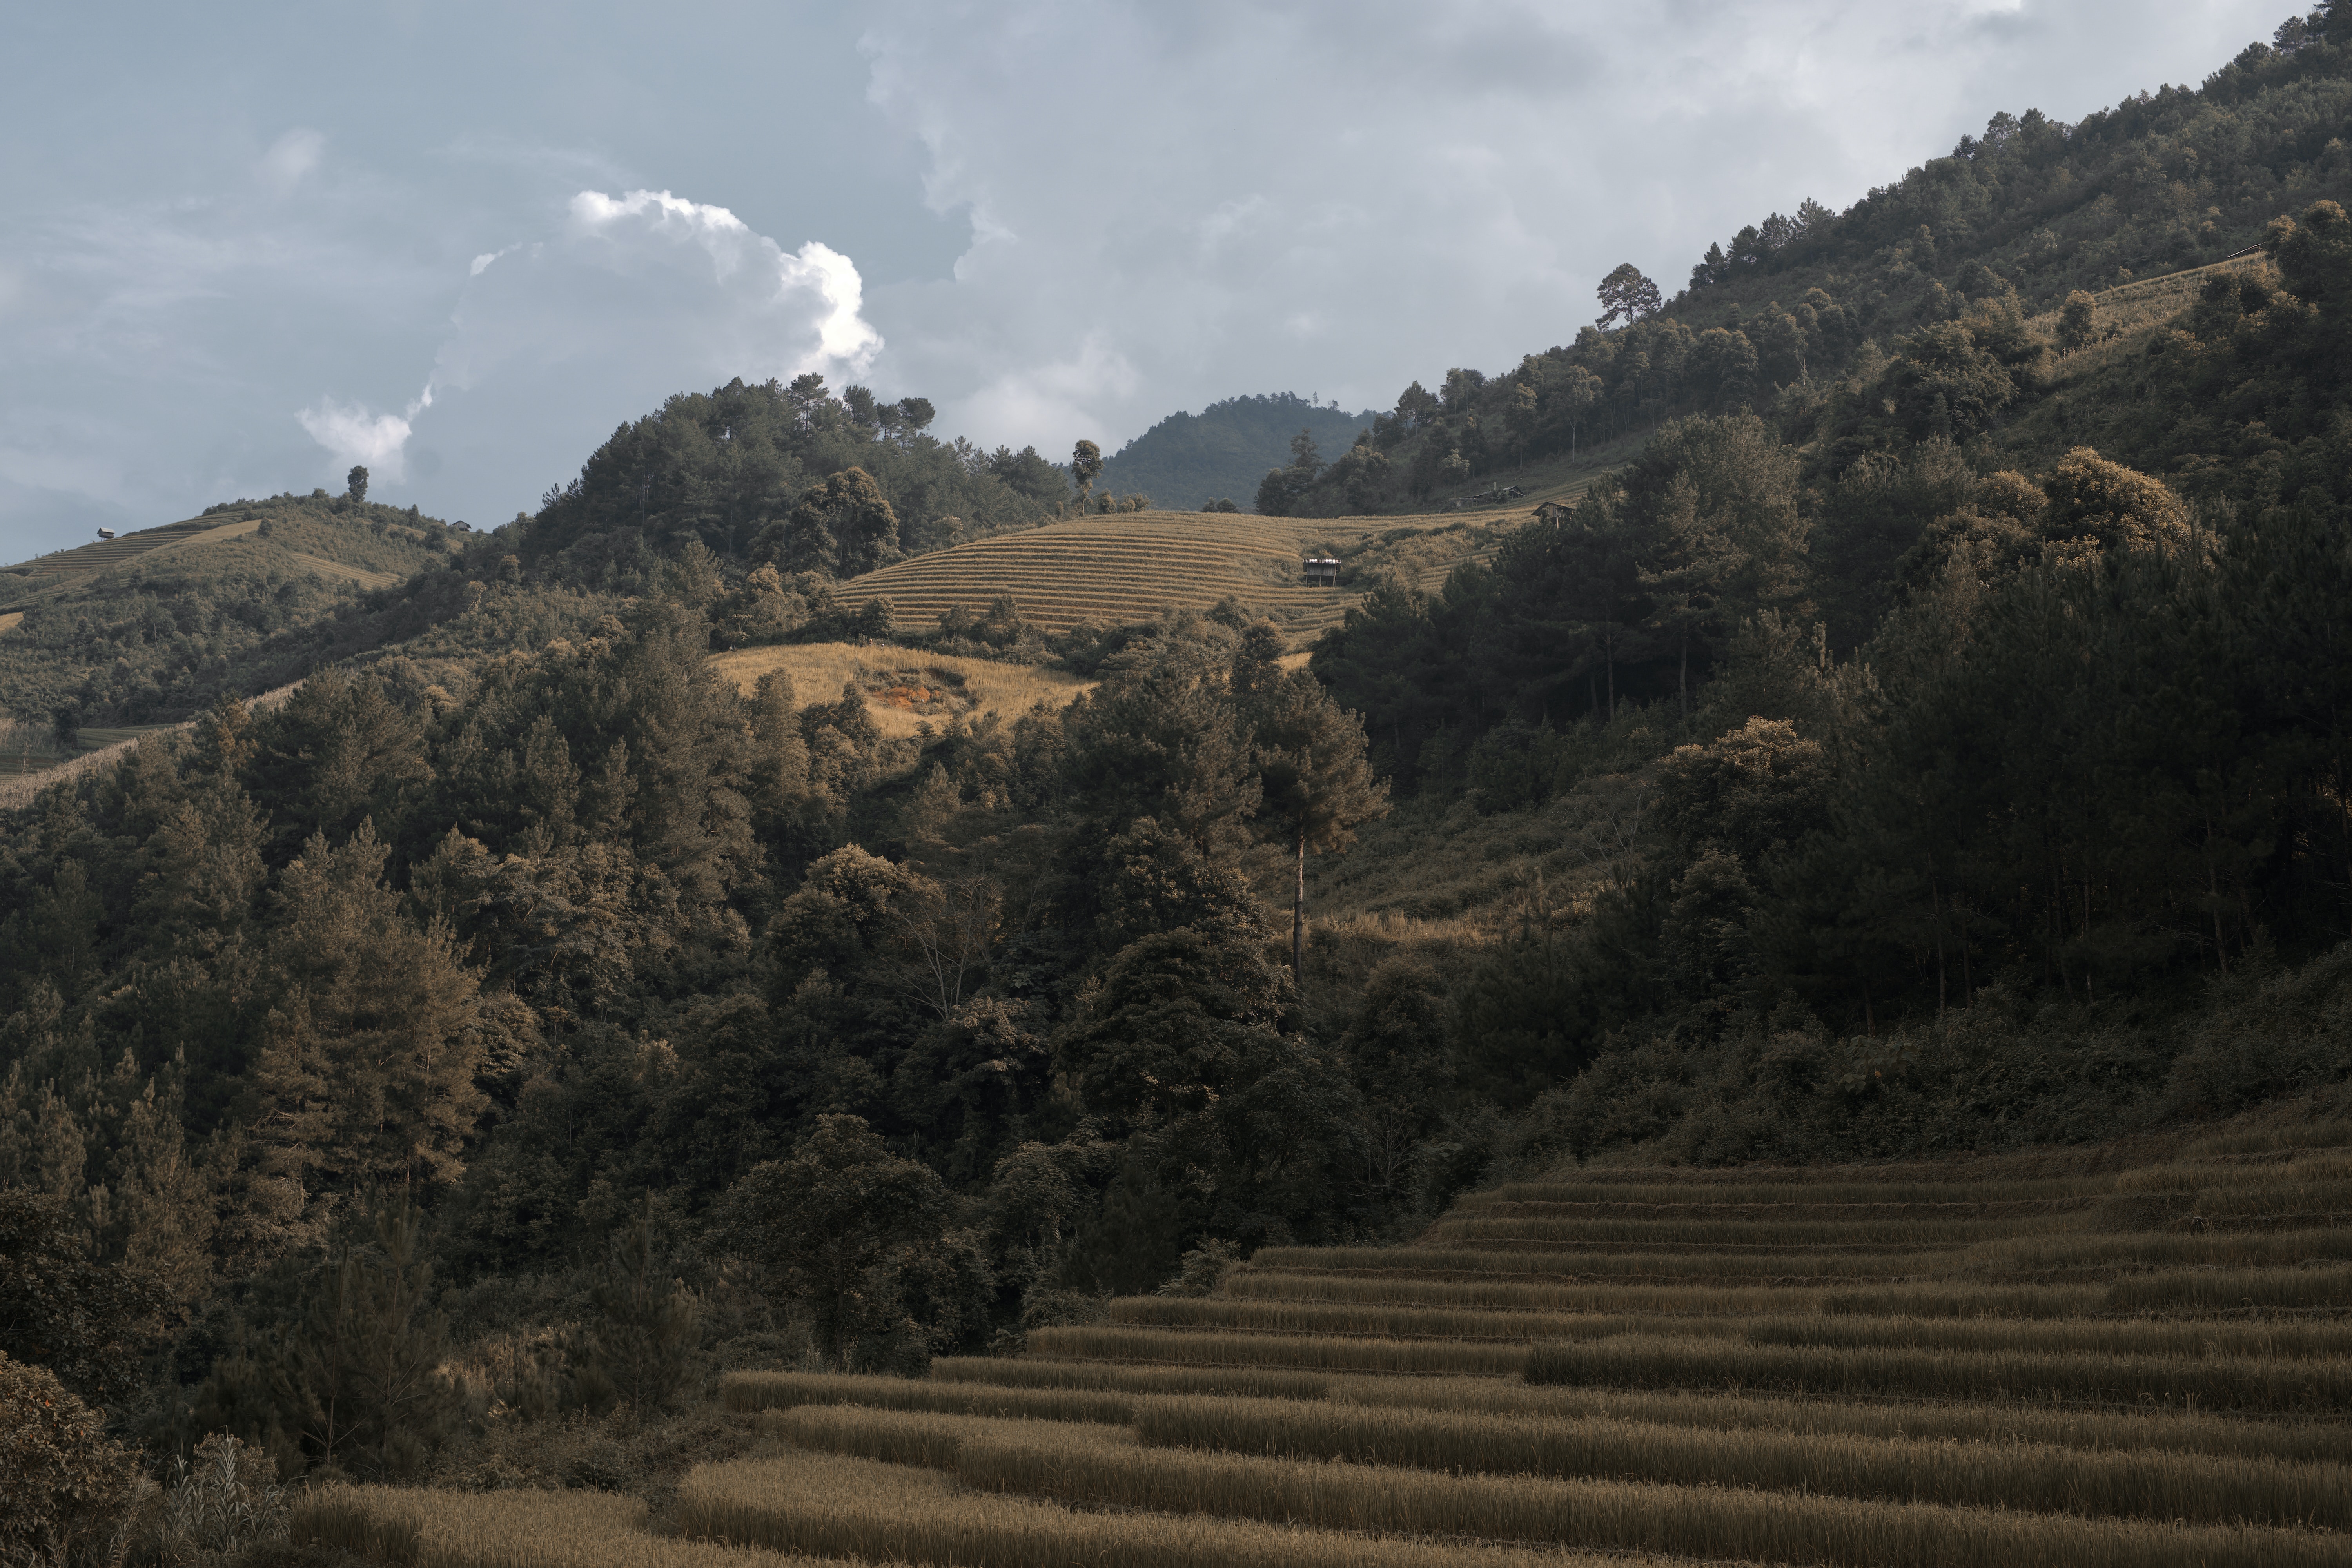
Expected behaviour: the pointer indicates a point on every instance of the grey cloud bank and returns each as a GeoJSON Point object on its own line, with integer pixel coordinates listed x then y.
{"type": "Point", "coordinates": [244, 250]}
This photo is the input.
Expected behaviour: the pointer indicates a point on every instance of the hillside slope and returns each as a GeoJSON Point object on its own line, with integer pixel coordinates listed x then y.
{"type": "Point", "coordinates": [150, 626]}
{"type": "Point", "coordinates": [1797, 311]}
{"type": "Point", "coordinates": [1125, 567]}
{"type": "Point", "coordinates": [1188, 459]}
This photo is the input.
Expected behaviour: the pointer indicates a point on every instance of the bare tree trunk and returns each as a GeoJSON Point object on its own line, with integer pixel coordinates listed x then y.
{"type": "Point", "coordinates": [1298, 913]}
{"type": "Point", "coordinates": [1684, 680]}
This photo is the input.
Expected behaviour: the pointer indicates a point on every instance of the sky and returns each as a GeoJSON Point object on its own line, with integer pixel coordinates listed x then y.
{"type": "Point", "coordinates": [245, 247]}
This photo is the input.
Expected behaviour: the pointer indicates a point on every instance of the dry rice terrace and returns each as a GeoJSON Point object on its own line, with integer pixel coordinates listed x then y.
{"type": "Point", "coordinates": [903, 689]}
{"type": "Point", "coordinates": [2069, 1361]}
{"type": "Point", "coordinates": [1130, 566]}
{"type": "Point", "coordinates": [64, 568]}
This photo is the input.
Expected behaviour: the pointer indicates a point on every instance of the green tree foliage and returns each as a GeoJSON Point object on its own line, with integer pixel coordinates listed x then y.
{"type": "Point", "coordinates": [69, 1496]}
{"type": "Point", "coordinates": [862, 1236]}
{"type": "Point", "coordinates": [1190, 460]}
{"type": "Point", "coordinates": [348, 1380]}
{"type": "Point", "coordinates": [365, 1074]}
{"type": "Point", "coordinates": [841, 527]}
{"type": "Point", "coordinates": [1284, 488]}
{"type": "Point", "coordinates": [355, 483]}
{"type": "Point", "coordinates": [1627, 296]}
{"type": "Point", "coordinates": [88, 1323]}
{"type": "Point", "coordinates": [640, 1348]}
{"type": "Point", "coordinates": [1175, 1023]}
{"type": "Point", "coordinates": [1086, 467]}
{"type": "Point", "coordinates": [1315, 781]}
{"type": "Point", "coordinates": [733, 466]}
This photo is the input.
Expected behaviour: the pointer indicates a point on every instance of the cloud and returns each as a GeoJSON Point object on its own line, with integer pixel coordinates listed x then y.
{"type": "Point", "coordinates": [290, 158]}
{"type": "Point", "coordinates": [353, 435]}
{"type": "Point", "coordinates": [626, 300]}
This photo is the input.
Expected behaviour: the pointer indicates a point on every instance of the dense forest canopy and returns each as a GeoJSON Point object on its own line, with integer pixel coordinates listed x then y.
{"type": "Point", "coordinates": [1934, 735]}
{"type": "Point", "coordinates": [1187, 460]}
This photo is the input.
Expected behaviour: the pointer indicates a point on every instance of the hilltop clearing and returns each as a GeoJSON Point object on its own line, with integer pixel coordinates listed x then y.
{"type": "Point", "coordinates": [906, 693]}
{"type": "Point", "coordinates": [1130, 567]}
{"type": "Point", "coordinates": [152, 627]}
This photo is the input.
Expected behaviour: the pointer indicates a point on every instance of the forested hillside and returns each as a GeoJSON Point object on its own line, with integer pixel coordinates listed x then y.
{"type": "Point", "coordinates": [1799, 316]}
{"type": "Point", "coordinates": [1933, 740]}
{"type": "Point", "coordinates": [1221, 453]}
{"type": "Point", "coordinates": [223, 605]}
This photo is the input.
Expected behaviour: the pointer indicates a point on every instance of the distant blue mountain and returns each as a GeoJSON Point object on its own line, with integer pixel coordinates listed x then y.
{"type": "Point", "coordinates": [1225, 449]}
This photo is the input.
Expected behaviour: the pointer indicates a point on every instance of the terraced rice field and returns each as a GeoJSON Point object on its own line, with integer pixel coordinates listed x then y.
{"type": "Point", "coordinates": [30, 579]}
{"type": "Point", "coordinates": [1131, 566]}
{"type": "Point", "coordinates": [1915, 1366]}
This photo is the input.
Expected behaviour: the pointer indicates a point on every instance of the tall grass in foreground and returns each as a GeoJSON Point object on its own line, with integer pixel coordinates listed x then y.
{"type": "Point", "coordinates": [2164, 1248]}
{"type": "Point", "coordinates": [1832, 1184]}
{"type": "Point", "coordinates": [2029, 1477]}
{"type": "Point", "coordinates": [1740, 1232]}
{"type": "Point", "coordinates": [1469, 1262]}
{"type": "Point", "coordinates": [2164, 1431]}
{"type": "Point", "coordinates": [923, 1437]}
{"type": "Point", "coordinates": [2227, 1383]}
{"type": "Point", "coordinates": [1697, 1521]}
{"type": "Point", "coordinates": [1958, 1300]}
{"type": "Point", "coordinates": [2301, 1341]}
{"type": "Point", "coordinates": [821, 1504]}
{"type": "Point", "coordinates": [1263, 1383]}
{"type": "Point", "coordinates": [2291, 1340]}
{"type": "Point", "coordinates": [1993, 1260]}
{"type": "Point", "coordinates": [2169, 1431]}
{"type": "Point", "coordinates": [2287, 1290]}
{"type": "Point", "coordinates": [1370, 1318]}
{"type": "Point", "coordinates": [419, 1529]}
{"type": "Point", "coordinates": [752, 1390]}
{"type": "Point", "coordinates": [1304, 1352]}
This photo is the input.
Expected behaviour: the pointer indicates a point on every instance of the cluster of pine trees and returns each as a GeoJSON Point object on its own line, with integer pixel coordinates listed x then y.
{"type": "Point", "coordinates": [604, 927]}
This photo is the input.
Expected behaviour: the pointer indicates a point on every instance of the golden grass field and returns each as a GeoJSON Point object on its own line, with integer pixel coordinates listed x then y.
{"type": "Point", "coordinates": [1130, 566]}
{"type": "Point", "coordinates": [904, 690]}
{"type": "Point", "coordinates": [2060, 1361]}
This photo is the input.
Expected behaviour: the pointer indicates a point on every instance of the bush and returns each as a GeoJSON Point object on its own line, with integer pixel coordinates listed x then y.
{"type": "Point", "coordinates": [69, 1496]}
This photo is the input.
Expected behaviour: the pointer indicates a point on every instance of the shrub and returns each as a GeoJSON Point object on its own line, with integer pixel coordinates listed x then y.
{"type": "Point", "coordinates": [69, 1496]}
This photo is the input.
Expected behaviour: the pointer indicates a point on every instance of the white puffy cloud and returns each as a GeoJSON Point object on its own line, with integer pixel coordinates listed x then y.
{"type": "Point", "coordinates": [556, 340]}
{"type": "Point", "coordinates": [355, 435]}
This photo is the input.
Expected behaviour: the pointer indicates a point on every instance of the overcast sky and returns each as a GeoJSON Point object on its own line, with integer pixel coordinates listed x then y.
{"type": "Point", "coordinates": [244, 246]}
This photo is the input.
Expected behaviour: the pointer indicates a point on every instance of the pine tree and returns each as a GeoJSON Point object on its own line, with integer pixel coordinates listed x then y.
{"type": "Point", "coordinates": [1317, 780]}
{"type": "Point", "coordinates": [358, 1381]}
{"type": "Point", "coordinates": [641, 1346]}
